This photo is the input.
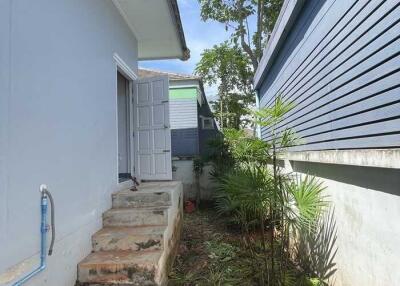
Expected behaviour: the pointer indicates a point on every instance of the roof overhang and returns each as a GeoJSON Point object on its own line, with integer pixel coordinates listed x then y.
{"type": "Point", "coordinates": [157, 27]}
{"type": "Point", "coordinates": [287, 17]}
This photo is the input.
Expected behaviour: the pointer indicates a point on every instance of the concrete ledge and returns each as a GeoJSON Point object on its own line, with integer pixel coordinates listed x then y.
{"type": "Point", "coordinates": [381, 158]}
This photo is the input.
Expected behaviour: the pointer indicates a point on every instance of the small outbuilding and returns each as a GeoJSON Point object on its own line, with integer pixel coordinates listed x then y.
{"type": "Point", "coordinates": [192, 127]}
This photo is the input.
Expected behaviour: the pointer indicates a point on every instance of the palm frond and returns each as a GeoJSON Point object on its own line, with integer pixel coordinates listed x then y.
{"type": "Point", "coordinates": [306, 202]}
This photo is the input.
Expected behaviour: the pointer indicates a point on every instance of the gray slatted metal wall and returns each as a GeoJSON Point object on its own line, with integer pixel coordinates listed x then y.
{"type": "Point", "coordinates": [183, 113]}
{"type": "Point", "coordinates": [340, 65]}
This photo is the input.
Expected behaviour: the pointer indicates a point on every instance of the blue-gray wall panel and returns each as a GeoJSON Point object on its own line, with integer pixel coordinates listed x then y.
{"type": "Point", "coordinates": [205, 135]}
{"type": "Point", "coordinates": [185, 142]}
{"type": "Point", "coordinates": [342, 71]}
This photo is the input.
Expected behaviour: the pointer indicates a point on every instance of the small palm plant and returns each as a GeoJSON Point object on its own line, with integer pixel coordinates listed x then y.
{"type": "Point", "coordinates": [258, 193]}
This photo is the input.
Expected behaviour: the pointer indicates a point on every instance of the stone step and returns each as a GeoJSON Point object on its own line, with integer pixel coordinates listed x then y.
{"type": "Point", "coordinates": [129, 238]}
{"type": "Point", "coordinates": [120, 268]}
{"type": "Point", "coordinates": [136, 217]}
{"type": "Point", "coordinates": [141, 198]}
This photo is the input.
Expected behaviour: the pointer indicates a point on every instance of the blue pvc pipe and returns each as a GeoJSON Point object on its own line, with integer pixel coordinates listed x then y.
{"type": "Point", "coordinates": [43, 254]}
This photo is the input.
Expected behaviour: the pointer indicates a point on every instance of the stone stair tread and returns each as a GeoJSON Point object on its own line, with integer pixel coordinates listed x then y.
{"type": "Point", "coordinates": [141, 199]}
{"type": "Point", "coordinates": [135, 216]}
{"type": "Point", "coordinates": [132, 230]}
{"type": "Point", "coordinates": [159, 185]}
{"type": "Point", "coordinates": [161, 207]}
{"type": "Point", "coordinates": [151, 187]}
{"type": "Point", "coordinates": [129, 238]}
{"type": "Point", "coordinates": [145, 260]}
{"type": "Point", "coordinates": [129, 209]}
{"type": "Point", "coordinates": [139, 192]}
{"type": "Point", "coordinates": [119, 267]}
{"type": "Point", "coordinates": [138, 241]}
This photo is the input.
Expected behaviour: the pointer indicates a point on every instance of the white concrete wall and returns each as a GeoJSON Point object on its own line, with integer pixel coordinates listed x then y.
{"type": "Point", "coordinates": [367, 208]}
{"type": "Point", "coordinates": [183, 171]}
{"type": "Point", "coordinates": [57, 126]}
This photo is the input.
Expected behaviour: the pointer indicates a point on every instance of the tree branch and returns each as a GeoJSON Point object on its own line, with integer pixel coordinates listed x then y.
{"type": "Point", "coordinates": [242, 32]}
{"type": "Point", "coordinates": [259, 29]}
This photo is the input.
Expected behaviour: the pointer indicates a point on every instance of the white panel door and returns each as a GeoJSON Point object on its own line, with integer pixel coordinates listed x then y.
{"type": "Point", "coordinates": [152, 132]}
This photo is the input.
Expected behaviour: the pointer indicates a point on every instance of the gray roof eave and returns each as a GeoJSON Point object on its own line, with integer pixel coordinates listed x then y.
{"type": "Point", "coordinates": [173, 6]}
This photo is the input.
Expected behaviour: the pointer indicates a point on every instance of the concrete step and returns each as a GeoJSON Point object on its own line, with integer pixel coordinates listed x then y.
{"type": "Point", "coordinates": [120, 268]}
{"type": "Point", "coordinates": [129, 238]}
{"type": "Point", "coordinates": [136, 217]}
{"type": "Point", "coordinates": [145, 197]}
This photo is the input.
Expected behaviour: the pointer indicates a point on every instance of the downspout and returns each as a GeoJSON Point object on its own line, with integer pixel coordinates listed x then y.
{"type": "Point", "coordinates": [43, 233]}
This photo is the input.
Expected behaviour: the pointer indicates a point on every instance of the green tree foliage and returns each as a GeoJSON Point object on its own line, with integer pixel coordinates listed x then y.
{"type": "Point", "coordinates": [238, 15]}
{"type": "Point", "coordinates": [231, 65]}
{"type": "Point", "coordinates": [225, 66]}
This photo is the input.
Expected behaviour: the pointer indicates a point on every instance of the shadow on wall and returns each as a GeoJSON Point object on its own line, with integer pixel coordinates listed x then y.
{"type": "Point", "coordinates": [379, 179]}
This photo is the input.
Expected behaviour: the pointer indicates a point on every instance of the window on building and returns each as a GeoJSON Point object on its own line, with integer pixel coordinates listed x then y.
{"type": "Point", "coordinates": [207, 123]}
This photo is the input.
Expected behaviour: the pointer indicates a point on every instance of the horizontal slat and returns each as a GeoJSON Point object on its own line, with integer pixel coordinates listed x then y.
{"type": "Point", "coordinates": [386, 59]}
{"type": "Point", "coordinates": [349, 44]}
{"type": "Point", "coordinates": [345, 72]}
{"type": "Point", "coordinates": [358, 131]}
{"type": "Point", "coordinates": [294, 71]}
{"type": "Point", "coordinates": [344, 80]}
{"type": "Point", "coordinates": [348, 60]}
{"type": "Point", "coordinates": [349, 111]}
{"type": "Point", "coordinates": [185, 142]}
{"type": "Point", "coordinates": [382, 92]}
{"type": "Point", "coordinates": [183, 114]}
{"type": "Point", "coordinates": [347, 85]}
{"type": "Point", "coordinates": [373, 115]}
{"type": "Point", "coordinates": [388, 141]}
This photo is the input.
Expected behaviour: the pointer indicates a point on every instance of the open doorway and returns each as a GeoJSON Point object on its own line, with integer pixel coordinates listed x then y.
{"type": "Point", "coordinates": [124, 138]}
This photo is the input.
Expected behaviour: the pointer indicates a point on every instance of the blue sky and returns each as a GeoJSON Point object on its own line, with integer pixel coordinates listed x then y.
{"type": "Point", "coordinates": [199, 36]}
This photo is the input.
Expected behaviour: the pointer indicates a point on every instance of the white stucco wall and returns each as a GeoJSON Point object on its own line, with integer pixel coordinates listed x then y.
{"type": "Point", "coordinates": [183, 171]}
{"type": "Point", "coordinates": [367, 210]}
{"type": "Point", "coordinates": [57, 126]}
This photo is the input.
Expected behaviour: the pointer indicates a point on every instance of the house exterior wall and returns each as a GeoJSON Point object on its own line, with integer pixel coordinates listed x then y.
{"type": "Point", "coordinates": [366, 203]}
{"type": "Point", "coordinates": [183, 107]}
{"type": "Point", "coordinates": [340, 65]}
{"type": "Point", "coordinates": [183, 171]}
{"type": "Point", "coordinates": [185, 142]}
{"type": "Point", "coordinates": [189, 139]}
{"type": "Point", "coordinates": [205, 135]}
{"type": "Point", "coordinates": [183, 118]}
{"type": "Point", "coordinates": [58, 127]}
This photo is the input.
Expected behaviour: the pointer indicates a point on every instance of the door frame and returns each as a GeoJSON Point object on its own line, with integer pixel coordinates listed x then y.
{"type": "Point", "coordinates": [130, 75]}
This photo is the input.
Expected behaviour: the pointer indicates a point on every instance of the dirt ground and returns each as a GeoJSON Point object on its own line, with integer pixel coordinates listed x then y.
{"type": "Point", "coordinates": [210, 253]}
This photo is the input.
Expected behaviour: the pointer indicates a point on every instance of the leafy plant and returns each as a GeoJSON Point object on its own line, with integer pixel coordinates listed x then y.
{"type": "Point", "coordinates": [259, 195]}
{"type": "Point", "coordinates": [305, 203]}
{"type": "Point", "coordinates": [219, 156]}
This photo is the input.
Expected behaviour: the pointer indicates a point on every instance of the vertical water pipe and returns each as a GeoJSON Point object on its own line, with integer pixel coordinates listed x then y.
{"type": "Point", "coordinates": [43, 233]}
